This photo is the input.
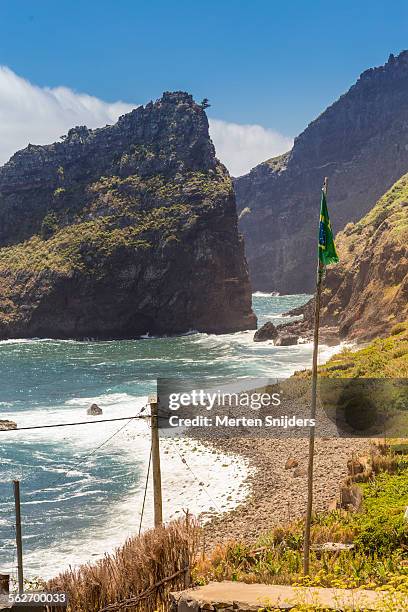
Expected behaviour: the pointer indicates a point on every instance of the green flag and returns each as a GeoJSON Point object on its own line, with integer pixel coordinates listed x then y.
{"type": "Point", "coordinates": [327, 248]}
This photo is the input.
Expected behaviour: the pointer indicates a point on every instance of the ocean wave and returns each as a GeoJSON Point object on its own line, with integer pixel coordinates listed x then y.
{"type": "Point", "coordinates": [217, 484]}
{"type": "Point", "coordinates": [23, 341]}
{"type": "Point", "coordinates": [108, 399]}
{"type": "Point", "coordinates": [262, 294]}
{"type": "Point", "coordinates": [274, 315]}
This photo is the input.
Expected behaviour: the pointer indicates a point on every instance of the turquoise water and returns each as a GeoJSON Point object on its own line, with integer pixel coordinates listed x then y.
{"type": "Point", "coordinates": [70, 499]}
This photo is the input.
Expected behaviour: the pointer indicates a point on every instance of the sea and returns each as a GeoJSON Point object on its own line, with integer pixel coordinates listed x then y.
{"type": "Point", "coordinates": [82, 487]}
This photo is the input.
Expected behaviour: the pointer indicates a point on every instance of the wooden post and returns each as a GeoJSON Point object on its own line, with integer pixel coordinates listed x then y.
{"type": "Point", "coordinates": [19, 540]}
{"type": "Point", "coordinates": [4, 584]}
{"type": "Point", "coordinates": [309, 508]}
{"type": "Point", "coordinates": [157, 490]}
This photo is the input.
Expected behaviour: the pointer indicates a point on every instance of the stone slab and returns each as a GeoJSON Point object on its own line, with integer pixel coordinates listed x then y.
{"type": "Point", "coordinates": [226, 596]}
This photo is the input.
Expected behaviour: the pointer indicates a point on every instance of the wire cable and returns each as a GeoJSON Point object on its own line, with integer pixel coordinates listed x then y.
{"type": "Point", "coordinates": [145, 492]}
{"type": "Point", "coordinates": [95, 450]}
{"type": "Point", "coordinates": [137, 416]}
{"type": "Point", "coordinates": [184, 460]}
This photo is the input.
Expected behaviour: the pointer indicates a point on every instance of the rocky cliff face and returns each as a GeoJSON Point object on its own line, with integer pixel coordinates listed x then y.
{"type": "Point", "coordinates": [121, 231]}
{"type": "Point", "coordinates": [360, 143]}
{"type": "Point", "coordinates": [366, 294]}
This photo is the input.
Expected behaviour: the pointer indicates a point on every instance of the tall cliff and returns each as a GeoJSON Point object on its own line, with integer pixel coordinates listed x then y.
{"type": "Point", "coordinates": [366, 294]}
{"type": "Point", "coordinates": [360, 143]}
{"type": "Point", "coordinates": [121, 231]}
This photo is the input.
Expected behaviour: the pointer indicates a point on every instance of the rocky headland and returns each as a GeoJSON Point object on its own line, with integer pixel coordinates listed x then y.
{"type": "Point", "coordinates": [126, 230]}
{"type": "Point", "coordinates": [360, 143]}
{"type": "Point", "coordinates": [366, 294]}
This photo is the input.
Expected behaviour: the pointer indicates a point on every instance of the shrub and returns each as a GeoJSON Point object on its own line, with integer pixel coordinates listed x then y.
{"type": "Point", "coordinates": [49, 225]}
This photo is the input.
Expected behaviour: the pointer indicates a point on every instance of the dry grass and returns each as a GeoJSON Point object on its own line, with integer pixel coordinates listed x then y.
{"type": "Point", "coordinates": [139, 568]}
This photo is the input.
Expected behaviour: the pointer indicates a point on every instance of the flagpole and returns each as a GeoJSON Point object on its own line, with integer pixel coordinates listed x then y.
{"type": "Point", "coordinates": [319, 279]}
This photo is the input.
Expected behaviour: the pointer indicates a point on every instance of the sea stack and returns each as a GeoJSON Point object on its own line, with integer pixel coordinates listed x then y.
{"type": "Point", "coordinates": [122, 231]}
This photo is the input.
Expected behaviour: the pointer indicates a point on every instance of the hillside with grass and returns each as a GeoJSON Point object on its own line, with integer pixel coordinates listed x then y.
{"type": "Point", "coordinates": [367, 293]}
{"type": "Point", "coordinates": [120, 231]}
{"type": "Point", "coordinates": [365, 296]}
{"type": "Point", "coordinates": [142, 573]}
{"type": "Point", "coordinates": [382, 358]}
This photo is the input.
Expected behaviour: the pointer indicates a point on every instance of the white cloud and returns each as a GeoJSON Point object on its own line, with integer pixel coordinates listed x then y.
{"type": "Point", "coordinates": [40, 115]}
{"type": "Point", "coordinates": [241, 147]}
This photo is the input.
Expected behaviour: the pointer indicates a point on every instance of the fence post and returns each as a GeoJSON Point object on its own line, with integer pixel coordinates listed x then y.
{"type": "Point", "coordinates": [157, 489]}
{"type": "Point", "coordinates": [19, 540]}
{"type": "Point", "coordinates": [4, 584]}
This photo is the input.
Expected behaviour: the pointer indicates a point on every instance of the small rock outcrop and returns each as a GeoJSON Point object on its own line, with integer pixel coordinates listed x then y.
{"type": "Point", "coordinates": [286, 339]}
{"type": "Point", "coordinates": [360, 143]}
{"type": "Point", "coordinates": [94, 410]}
{"type": "Point", "coordinates": [351, 497]}
{"type": "Point", "coordinates": [6, 425]}
{"type": "Point", "coordinates": [123, 231]}
{"type": "Point", "coordinates": [291, 463]}
{"type": "Point", "coordinates": [268, 331]}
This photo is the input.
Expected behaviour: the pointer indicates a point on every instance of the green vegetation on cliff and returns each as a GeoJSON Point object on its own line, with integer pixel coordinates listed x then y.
{"type": "Point", "coordinates": [86, 245]}
{"type": "Point", "coordinates": [389, 214]}
{"type": "Point", "coordinates": [115, 219]}
{"type": "Point", "coordinates": [367, 294]}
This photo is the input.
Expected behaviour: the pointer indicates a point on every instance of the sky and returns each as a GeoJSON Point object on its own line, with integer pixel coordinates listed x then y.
{"type": "Point", "coordinates": [268, 67]}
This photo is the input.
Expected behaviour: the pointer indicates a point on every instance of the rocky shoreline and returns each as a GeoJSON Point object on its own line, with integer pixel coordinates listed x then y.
{"type": "Point", "coordinates": [299, 329]}
{"type": "Point", "coordinates": [278, 483]}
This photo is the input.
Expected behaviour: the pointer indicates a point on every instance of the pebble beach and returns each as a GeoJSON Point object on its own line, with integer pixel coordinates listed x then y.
{"type": "Point", "coordinates": [277, 493]}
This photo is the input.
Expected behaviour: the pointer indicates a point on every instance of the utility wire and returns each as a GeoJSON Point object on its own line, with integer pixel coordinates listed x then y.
{"type": "Point", "coordinates": [88, 455]}
{"type": "Point", "coordinates": [145, 492]}
{"type": "Point", "coordinates": [184, 460]}
{"type": "Point", "coordinates": [85, 458]}
{"type": "Point", "coordinates": [137, 416]}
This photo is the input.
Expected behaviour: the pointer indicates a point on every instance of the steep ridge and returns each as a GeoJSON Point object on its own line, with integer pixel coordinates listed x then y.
{"type": "Point", "coordinates": [360, 143]}
{"type": "Point", "coordinates": [122, 231]}
{"type": "Point", "coordinates": [366, 294]}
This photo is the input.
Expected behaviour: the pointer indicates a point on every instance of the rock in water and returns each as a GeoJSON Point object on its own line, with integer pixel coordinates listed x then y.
{"type": "Point", "coordinates": [122, 231]}
{"type": "Point", "coordinates": [266, 332]}
{"type": "Point", "coordinates": [360, 143]}
{"type": "Point", "coordinates": [286, 340]}
{"type": "Point", "coordinates": [94, 410]}
{"type": "Point", "coordinates": [6, 425]}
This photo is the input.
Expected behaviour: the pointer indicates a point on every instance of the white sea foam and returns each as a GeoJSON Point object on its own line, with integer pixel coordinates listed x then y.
{"type": "Point", "coordinates": [223, 476]}
{"type": "Point", "coordinates": [215, 483]}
